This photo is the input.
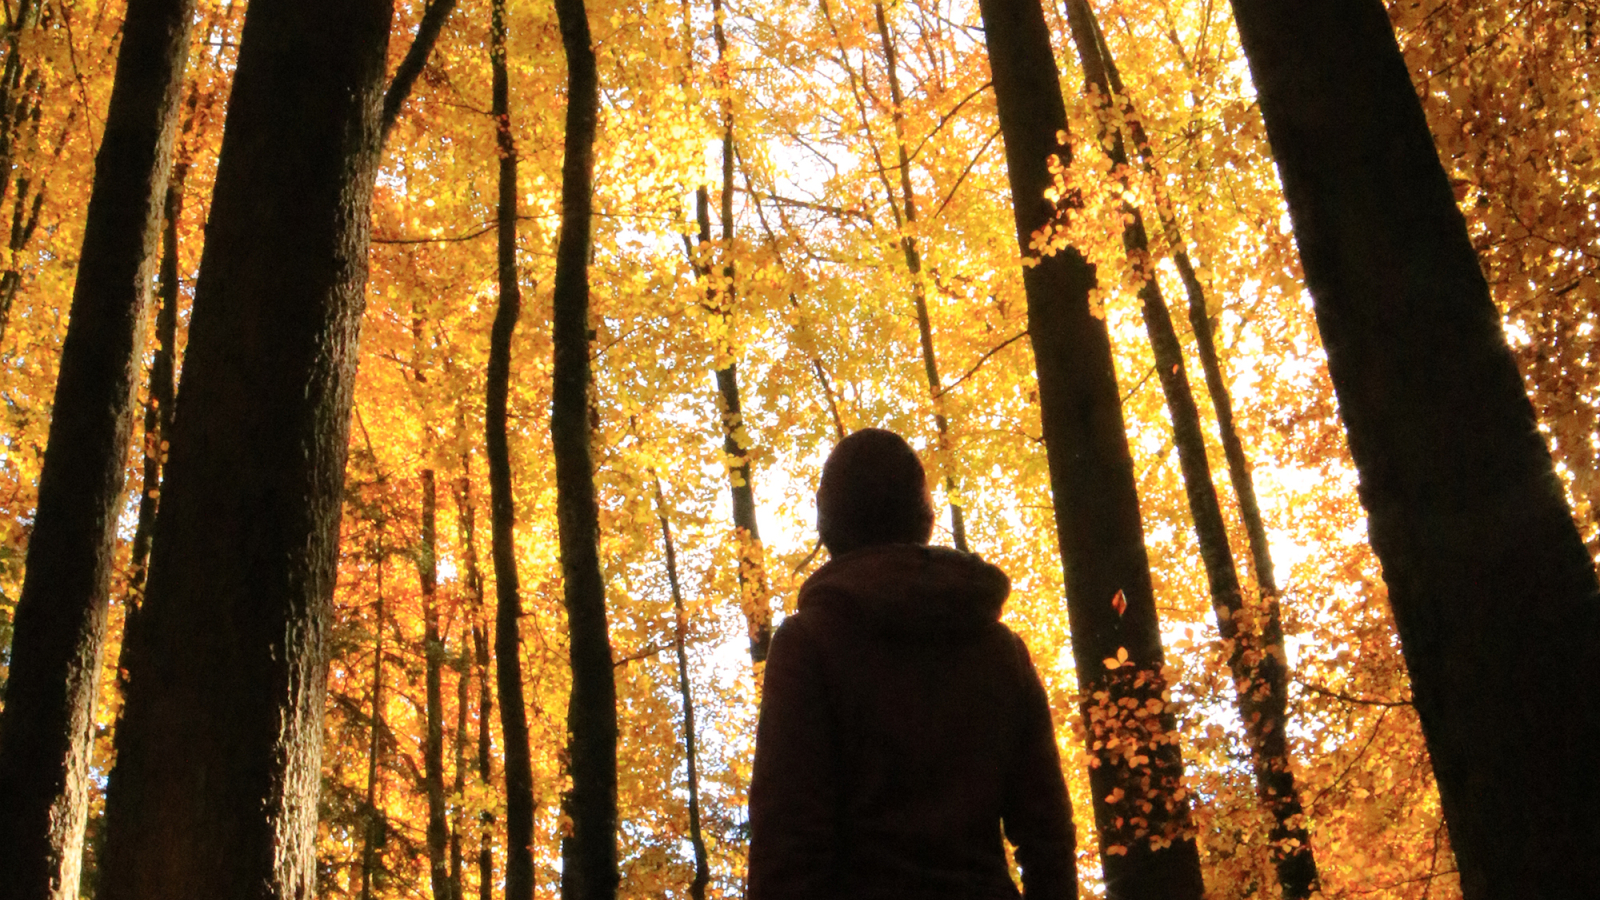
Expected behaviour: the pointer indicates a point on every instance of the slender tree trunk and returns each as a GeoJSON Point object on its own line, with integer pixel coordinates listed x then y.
{"type": "Point", "coordinates": [215, 789]}
{"type": "Point", "coordinates": [1256, 659]}
{"type": "Point", "coordinates": [702, 866]}
{"type": "Point", "coordinates": [817, 369]}
{"type": "Point", "coordinates": [1146, 839]}
{"type": "Point", "coordinates": [1493, 592]}
{"type": "Point", "coordinates": [589, 853]}
{"type": "Point", "coordinates": [458, 743]}
{"type": "Point", "coordinates": [754, 590]}
{"type": "Point", "coordinates": [433, 662]}
{"type": "Point", "coordinates": [1239, 476]}
{"type": "Point", "coordinates": [434, 15]}
{"type": "Point", "coordinates": [12, 75]}
{"type": "Point", "coordinates": [163, 379]}
{"type": "Point", "coordinates": [906, 218]}
{"type": "Point", "coordinates": [502, 510]}
{"type": "Point", "coordinates": [372, 814]}
{"type": "Point", "coordinates": [480, 662]}
{"type": "Point", "coordinates": [47, 722]}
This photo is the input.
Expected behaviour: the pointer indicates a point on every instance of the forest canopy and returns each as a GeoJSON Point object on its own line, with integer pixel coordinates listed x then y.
{"type": "Point", "coordinates": [802, 225]}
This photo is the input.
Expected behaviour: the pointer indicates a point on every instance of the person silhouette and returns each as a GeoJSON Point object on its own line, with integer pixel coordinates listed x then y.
{"type": "Point", "coordinates": [903, 731]}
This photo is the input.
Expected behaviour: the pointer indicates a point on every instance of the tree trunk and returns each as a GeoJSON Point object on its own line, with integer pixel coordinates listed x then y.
{"type": "Point", "coordinates": [215, 789]}
{"type": "Point", "coordinates": [502, 509]}
{"type": "Point", "coordinates": [906, 218]}
{"type": "Point", "coordinates": [1255, 658]}
{"type": "Point", "coordinates": [433, 661]}
{"type": "Point", "coordinates": [1239, 476]}
{"type": "Point", "coordinates": [1116, 639]}
{"type": "Point", "coordinates": [458, 743]}
{"type": "Point", "coordinates": [163, 378]}
{"type": "Point", "coordinates": [702, 866]}
{"type": "Point", "coordinates": [589, 853]}
{"type": "Point", "coordinates": [1493, 592]}
{"type": "Point", "coordinates": [372, 815]}
{"type": "Point", "coordinates": [47, 722]}
{"type": "Point", "coordinates": [755, 593]}
{"type": "Point", "coordinates": [434, 15]}
{"type": "Point", "coordinates": [480, 661]}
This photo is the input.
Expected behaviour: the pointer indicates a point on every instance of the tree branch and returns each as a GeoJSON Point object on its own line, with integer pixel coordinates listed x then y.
{"type": "Point", "coordinates": [433, 19]}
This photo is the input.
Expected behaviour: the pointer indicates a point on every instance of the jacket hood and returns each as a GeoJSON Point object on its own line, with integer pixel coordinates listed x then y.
{"type": "Point", "coordinates": [910, 589]}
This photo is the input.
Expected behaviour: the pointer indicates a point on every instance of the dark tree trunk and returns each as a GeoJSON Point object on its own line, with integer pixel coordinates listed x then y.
{"type": "Point", "coordinates": [480, 665]}
{"type": "Point", "coordinates": [589, 853]}
{"type": "Point", "coordinates": [47, 722]}
{"type": "Point", "coordinates": [372, 815]}
{"type": "Point", "coordinates": [434, 15]}
{"type": "Point", "coordinates": [702, 866]}
{"type": "Point", "coordinates": [163, 378]}
{"type": "Point", "coordinates": [1116, 640]}
{"type": "Point", "coordinates": [502, 509]}
{"type": "Point", "coordinates": [1493, 593]}
{"type": "Point", "coordinates": [754, 591]}
{"type": "Point", "coordinates": [215, 789]}
{"type": "Point", "coordinates": [906, 217]}
{"type": "Point", "coordinates": [1239, 476]}
{"type": "Point", "coordinates": [433, 666]}
{"type": "Point", "coordinates": [458, 743]}
{"type": "Point", "coordinates": [1255, 656]}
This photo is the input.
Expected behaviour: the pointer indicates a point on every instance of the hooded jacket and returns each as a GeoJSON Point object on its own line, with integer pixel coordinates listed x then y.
{"type": "Point", "coordinates": [902, 725]}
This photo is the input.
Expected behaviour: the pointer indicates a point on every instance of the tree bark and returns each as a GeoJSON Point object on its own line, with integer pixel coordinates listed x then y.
{"type": "Point", "coordinates": [502, 509]}
{"type": "Point", "coordinates": [433, 665]}
{"type": "Point", "coordinates": [372, 815]}
{"type": "Point", "coordinates": [1116, 640]}
{"type": "Point", "coordinates": [906, 217]}
{"type": "Point", "coordinates": [755, 592]}
{"type": "Point", "coordinates": [697, 841]}
{"type": "Point", "coordinates": [434, 15]}
{"type": "Point", "coordinates": [1256, 658]}
{"type": "Point", "coordinates": [1239, 475]}
{"type": "Point", "coordinates": [458, 743]}
{"type": "Point", "coordinates": [589, 853]}
{"type": "Point", "coordinates": [162, 390]}
{"type": "Point", "coordinates": [1493, 592]}
{"type": "Point", "coordinates": [480, 661]}
{"type": "Point", "coordinates": [215, 789]}
{"type": "Point", "coordinates": [47, 722]}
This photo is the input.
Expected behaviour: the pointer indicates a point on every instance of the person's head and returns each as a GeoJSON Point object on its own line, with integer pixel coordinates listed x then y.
{"type": "Point", "coordinates": [873, 491]}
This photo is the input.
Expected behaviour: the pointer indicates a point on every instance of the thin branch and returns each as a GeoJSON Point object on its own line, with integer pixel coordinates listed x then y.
{"type": "Point", "coordinates": [965, 172]}
{"type": "Point", "coordinates": [438, 240]}
{"type": "Point", "coordinates": [807, 204]}
{"type": "Point", "coordinates": [405, 76]}
{"type": "Point", "coordinates": [981, 360]}
{"type": "Point", "coordinates": [1348, 698]}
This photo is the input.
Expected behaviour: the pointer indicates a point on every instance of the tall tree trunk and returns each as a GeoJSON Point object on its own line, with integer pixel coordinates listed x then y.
{"type": "Point", "coordinates": [1255, 658]}
{"type": "Point", "coordinates": [434, 15]}
{"type": "Point", "coordinates": [433, 663]}
{"type": "Point", "coordinates": [47, 722]}
{"type": "Point", "coordinates": [1146, 839]}
{"type": "Point", "coordinates": [215, 789]}
{"type": "Point", "coordinates": [372, 814]}
{"type": "Point", "coordinates": [480, 662]}
{"type": "Point", "coordinates": [906, 217]}
{"type": "Point", "coordinates": [755, 593]}
{"type": "Point", "coordinates": [823, 382]}
{"type": "Point", "coordinates": [458, 743]}
{"type": "Point", "coordinates": [163, 378]}
{"type": "Point", "coordinates": [1239, 476]}
{"type": "Point", "coordinates": [1493, 592]}
{"type": "Point", "coordinates": [702, 866]}
{"type": "Point", "coordinates": [502, 509]}
{"type": "Point", "coordinates": [589, 853]}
